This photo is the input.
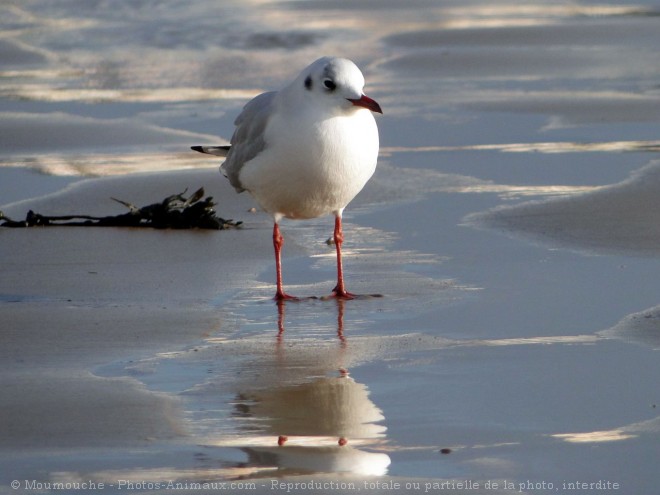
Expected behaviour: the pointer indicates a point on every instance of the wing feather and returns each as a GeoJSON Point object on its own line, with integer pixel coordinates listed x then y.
{"type": "Point", "coordinates": [248, 139]}
{"type": "Point", "coordinates": [212, 150]}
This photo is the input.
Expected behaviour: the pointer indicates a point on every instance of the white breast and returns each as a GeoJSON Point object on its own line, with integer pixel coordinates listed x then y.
{"type": "Point", "coordinates": [315, 166]}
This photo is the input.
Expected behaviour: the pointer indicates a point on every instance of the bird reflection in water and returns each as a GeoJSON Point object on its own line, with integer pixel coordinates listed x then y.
{"type": "Point", "coordinates": [281, 313]}
{"type": "Point", "coordinates": [309, 415]}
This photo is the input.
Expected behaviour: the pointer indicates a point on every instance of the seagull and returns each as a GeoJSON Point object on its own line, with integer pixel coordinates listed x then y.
{"type": "Point", "coordinates": [305, 151]}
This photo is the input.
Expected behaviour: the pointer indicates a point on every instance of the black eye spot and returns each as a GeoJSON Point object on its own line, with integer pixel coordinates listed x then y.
{"type": "Point", "coordinates": [330, 84]}
{"type": "Point", "coordinates": [308, 82]}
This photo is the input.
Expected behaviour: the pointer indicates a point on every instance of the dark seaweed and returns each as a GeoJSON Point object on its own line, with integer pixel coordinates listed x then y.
{"type": "Point", "coordinates": [174, 212]}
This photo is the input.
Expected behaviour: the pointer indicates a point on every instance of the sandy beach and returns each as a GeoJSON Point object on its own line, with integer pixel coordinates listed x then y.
{"type": "Point", "coordinates": [511, 229]}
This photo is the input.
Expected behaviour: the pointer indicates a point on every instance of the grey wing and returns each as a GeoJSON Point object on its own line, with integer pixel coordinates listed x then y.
{"type": "Point", "coordinates": [248, 139]}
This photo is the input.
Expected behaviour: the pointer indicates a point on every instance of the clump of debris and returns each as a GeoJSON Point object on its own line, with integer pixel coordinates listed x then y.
{"type": "Point", "coordinates": [174, 212]}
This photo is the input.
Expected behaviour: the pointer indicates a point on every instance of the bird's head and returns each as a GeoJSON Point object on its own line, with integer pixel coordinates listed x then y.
{"type": "Point", "coordinates": [336, 82]}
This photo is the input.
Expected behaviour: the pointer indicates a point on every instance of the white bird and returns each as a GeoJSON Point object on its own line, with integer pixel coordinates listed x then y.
{"type": "Point", "coordinates": [305, 151]}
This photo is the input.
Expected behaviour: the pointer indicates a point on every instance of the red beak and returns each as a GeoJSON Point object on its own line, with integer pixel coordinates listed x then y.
{"type": "Point", "coordinates": [366, 102]}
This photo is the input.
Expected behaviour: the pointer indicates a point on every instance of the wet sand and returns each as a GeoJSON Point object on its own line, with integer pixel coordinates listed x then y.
{"type": "Point", "coordinates": [510, 230]}
{"type": "Point", "coordinates": [167, 343]}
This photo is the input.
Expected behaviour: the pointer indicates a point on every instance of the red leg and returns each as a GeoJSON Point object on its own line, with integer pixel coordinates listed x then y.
{"type": "Point", "coordinates": [278, 242]}
{"type": "Point", "coordinates": [340, 289]}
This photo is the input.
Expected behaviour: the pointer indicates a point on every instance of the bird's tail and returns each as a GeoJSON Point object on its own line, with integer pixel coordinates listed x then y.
{"type": "Point", "coordinates": [213, 150]}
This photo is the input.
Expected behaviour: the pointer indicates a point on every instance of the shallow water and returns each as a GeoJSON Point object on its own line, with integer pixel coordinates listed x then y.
{"type": "Point", "coordinates": [531, 356]}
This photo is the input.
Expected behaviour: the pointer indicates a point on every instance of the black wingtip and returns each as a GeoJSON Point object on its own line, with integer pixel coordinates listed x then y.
{"type": "Point", "coordinates": [220, 151]}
